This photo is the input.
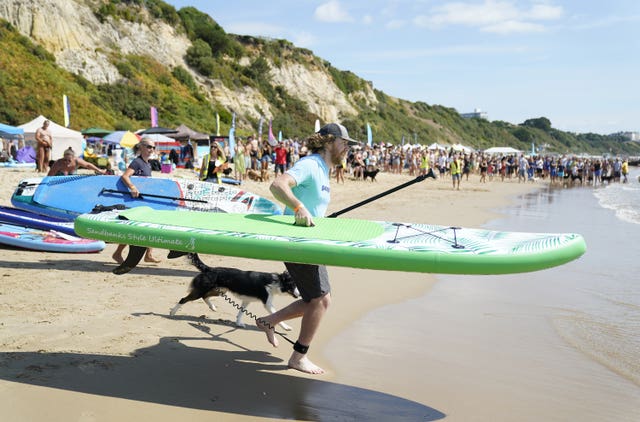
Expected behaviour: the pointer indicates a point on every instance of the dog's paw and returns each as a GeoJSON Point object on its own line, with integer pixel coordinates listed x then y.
{"type": "Point", "coordinates": [240, 324]}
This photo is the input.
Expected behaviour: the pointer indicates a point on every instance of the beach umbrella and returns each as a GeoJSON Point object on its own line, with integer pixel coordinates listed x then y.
{"type": "Point", "coordinates": [158, 137]}
{"type": "Point", "coordinates": [95, 131]}
{"type": "Point", "coordinates": [124, 138]}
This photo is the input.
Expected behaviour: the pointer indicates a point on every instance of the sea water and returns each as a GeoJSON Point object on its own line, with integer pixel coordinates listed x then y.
{"type": "Point", "coordinates": [597, 305]}
{"type": "Point", "coordinates": [554, 345]}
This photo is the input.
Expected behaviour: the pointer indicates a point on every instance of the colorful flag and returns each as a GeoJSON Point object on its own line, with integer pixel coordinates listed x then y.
{"type": "Point", "coordinates": [369, 135]}
{"type": "Point", "coordinates": [260, 123]}
{"type": "Point", "coordinates": [272, 138]}
{"type": "Point", "coordinates": [232, 141]}
{"type": "Point", "coordinates": [66, 109]}
{"type": "Point", "coordinates": [317, 126]}
{"type": "Point", "coordinates": [217, 124]}
{"type": "Point", "coordinates": [154, 117]}
{"type": "Point", "coordinates": [279, 136]}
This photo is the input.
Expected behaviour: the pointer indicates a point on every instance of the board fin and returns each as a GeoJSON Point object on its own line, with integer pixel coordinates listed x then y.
{"type": "Point", "coordinates": [176, 254]}
{"type": "Point", "coordinates": [133, 258]}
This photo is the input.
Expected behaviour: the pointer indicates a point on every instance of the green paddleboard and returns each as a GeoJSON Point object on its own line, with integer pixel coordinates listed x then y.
{"type": "Point", "coordinates": [336, 241]}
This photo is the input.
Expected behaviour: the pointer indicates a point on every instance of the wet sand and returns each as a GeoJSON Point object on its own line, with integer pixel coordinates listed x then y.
{"type": "Point", "coordinates": [80, 343]}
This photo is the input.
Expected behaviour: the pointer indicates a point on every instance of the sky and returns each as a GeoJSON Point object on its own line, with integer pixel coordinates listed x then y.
{"type": "Point", "coordinates": [575, 62]}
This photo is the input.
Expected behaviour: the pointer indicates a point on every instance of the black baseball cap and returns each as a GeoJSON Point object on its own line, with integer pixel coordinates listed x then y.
{"type": "Point", "coordinates": [338, 131]}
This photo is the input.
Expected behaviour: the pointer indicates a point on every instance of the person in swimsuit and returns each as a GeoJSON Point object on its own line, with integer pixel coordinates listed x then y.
{"type": "Point", "coordinates": [44, 140]}
{"type": "Point", "coordinates": [69, 164]}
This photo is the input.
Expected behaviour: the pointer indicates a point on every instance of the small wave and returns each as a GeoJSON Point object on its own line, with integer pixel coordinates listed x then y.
{"type": "Point", "coordinates": [612, 345]}
{"type": "Point", "coordinates": [623, 200]}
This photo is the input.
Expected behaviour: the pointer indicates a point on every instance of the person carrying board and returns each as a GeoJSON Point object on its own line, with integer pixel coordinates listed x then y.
{"type": "Point", "coordinates": [304, 190]}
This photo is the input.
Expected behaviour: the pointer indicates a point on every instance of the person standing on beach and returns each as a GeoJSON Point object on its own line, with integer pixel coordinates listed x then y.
{"type": "Point", "coordinates": [139, 167]}
{"type": "Point", "coordinates": [44, 141]}
{"type": "Point", "coordinates": [304, 190]}
{"type": "Point", "coordinates": [625, 170]}
{"type": "Point", "coordinates": [455, 167]}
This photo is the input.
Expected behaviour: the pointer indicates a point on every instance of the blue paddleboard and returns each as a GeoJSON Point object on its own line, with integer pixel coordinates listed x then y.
{"type": "Point", "coordinates": [46, 240]}
{"type": "Point", "coordinates": [66, 197]}
{"type": "Point", "coordinates": [29, 219]}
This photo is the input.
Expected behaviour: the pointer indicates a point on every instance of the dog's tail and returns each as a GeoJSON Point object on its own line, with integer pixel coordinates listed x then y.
{"type": "Point", "coordinates": [197, 262]}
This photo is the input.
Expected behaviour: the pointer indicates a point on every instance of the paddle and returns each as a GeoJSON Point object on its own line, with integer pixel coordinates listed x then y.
{"type": "Point", "coordinates": [378, 196]}
{"type": "Point", "coordinates": [124, 192]}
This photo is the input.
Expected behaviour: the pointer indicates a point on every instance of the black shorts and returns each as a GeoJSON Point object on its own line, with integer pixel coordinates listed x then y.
{"type": "Point", "coordinates": [312, 280]}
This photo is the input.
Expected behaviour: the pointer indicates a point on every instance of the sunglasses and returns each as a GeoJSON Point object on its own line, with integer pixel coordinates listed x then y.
{"type": "Point", "coordinates": [150, 146]}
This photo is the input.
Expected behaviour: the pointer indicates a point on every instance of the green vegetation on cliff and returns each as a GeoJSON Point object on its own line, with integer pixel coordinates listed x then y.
{"type": "Point", "coordinates": [31, 83]}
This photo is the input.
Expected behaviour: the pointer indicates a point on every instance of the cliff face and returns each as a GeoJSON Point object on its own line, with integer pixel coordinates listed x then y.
{"type": "Point", "coordinates": [82, 45]}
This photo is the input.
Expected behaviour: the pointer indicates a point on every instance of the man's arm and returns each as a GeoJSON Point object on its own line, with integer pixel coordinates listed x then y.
{"type": "Point", "coordinates": [281, 190]}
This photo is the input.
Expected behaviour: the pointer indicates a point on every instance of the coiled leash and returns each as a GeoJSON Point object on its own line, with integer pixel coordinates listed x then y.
{"type": "Point", "coordinates": [255, 318]}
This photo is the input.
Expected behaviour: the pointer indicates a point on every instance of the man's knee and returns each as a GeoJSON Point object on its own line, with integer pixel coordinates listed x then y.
{"type": "Point", "coordinates": [322, 301]}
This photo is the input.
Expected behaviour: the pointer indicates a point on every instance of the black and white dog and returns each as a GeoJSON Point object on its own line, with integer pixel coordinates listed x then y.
{"type": "Point", "coordinates": [250, 286]}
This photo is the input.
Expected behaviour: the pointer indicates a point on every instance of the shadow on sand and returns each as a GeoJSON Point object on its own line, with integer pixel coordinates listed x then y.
{"type": "Point", "coordinates": [176, 372]}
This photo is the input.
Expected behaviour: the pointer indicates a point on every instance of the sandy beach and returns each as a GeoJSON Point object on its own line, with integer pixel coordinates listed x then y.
{"type": "Point", "coordinates": [78, 343]}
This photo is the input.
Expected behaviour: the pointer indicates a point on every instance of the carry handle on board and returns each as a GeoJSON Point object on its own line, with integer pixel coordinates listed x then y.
{"type": "Point", "coordinates": [150, 195]}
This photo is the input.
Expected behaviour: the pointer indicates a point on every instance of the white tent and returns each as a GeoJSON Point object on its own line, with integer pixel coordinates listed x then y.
{"type": "Point", "coordinates": [63, 137]}
{"type": "Point", "coordinates": [437, 146]}
{"type": "Point", "coordinates": [463, 148]}
{"type": "Point", "coordinates": [501, 150]}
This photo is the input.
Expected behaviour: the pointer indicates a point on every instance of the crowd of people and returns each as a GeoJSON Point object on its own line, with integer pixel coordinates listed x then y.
{"type": "Point", "coordinates": [256, 157]}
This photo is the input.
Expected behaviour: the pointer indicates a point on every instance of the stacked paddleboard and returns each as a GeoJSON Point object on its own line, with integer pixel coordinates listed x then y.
{"type": "Point", "coordinates": [342, 242]}
{"type": "Point", "coordinates": [18, 217]}
{"type": "Point", "coordinates": [46, 240]}
{"type": "Point", "coordinates": [66, 197]}
{"type": "Point", "coordinates": [23, 229]}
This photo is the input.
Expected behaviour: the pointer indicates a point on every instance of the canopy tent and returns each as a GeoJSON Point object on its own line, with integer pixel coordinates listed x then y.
{"type": "Point", "coordinates": [185, 133]}
{"type": "Point", "coordinates": [436, 146]}
{"type": "Point", "coordinates": [10, 132]}
{"type": "Point", "coordinates": [156, 130]}
{"type": "Point", "coordinates": [501, 150]}
{"type": "Point", "coordinates": [63, 137]}
{"type": "Point", "coordinates": [95, 131]}
{"type": "Point", "coordinates": [463, 148]}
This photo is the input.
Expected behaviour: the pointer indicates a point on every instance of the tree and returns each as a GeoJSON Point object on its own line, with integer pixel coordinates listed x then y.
{"type": "Point", "coordinates": [541, 123]}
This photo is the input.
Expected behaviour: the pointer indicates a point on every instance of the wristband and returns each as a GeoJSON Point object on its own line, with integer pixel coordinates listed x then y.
{"type": "Point", "coordinates": [296, 209]}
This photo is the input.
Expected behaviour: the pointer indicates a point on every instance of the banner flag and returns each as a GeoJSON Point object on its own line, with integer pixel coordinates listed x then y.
{"type": "Point", "coordinates": [154, 117]}
{"type": "Point", "coordinates": [232, 141]}
{"type": "Point", "coordinates": [217, 124]}
{"type": "Point", "coordinates": [260, 123]}
{"type": "Point", "coordinates": [67, 110]}
{"type": "Point", "coordinates": [369, 135]}
{"type": "Point", "coordinates": [272, 138]}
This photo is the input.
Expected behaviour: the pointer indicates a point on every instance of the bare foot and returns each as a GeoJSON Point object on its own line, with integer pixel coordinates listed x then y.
{"type": "Point", "coordinates": [302, 363]}
{"type": "Point", "coordinates": [149, 258]}
{"type": "Point", "coordinates": [269, 330]}
{"type": "Point", "coordinates": [118, 258]}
